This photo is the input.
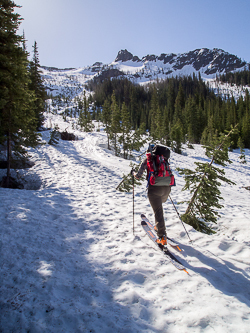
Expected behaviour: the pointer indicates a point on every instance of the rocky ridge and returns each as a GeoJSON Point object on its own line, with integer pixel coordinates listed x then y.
{"type": "Point", "coordinates": [204, 62]}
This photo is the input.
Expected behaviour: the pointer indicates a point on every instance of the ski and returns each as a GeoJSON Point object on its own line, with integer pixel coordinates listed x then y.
{"type": "Point", "coordinates": [163, 248]}
{"type": "Point", "coordinates": [151, 226]}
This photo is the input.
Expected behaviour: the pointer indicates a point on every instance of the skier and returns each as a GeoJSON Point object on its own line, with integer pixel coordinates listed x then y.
{"type": "Point", "coordinates": [157, 195]}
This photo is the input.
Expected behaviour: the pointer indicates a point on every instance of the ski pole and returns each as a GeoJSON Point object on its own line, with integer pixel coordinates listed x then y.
{"type": "Point", "coordinates": [180, 219]}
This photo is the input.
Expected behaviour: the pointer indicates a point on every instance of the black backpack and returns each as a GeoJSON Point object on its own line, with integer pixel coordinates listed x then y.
{"type": "Point", "coordinates": [161, 150]}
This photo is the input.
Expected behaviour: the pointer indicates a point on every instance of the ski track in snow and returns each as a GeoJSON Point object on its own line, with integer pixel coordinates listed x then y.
{"type": "Point", "coordinates": [71, 263]}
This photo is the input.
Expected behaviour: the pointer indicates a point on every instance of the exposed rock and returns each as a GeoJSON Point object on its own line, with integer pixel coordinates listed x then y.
{"type": "Point", "coordinates": [136, 59]}
{"type": "Point", "coordinates": [123, 56]}
{"type": "Point", "coordinates": [108, 73]}
{"type": "Point", "coordinates": [166, 57]}
{"type": "Point", "coordinates": [150, 57]}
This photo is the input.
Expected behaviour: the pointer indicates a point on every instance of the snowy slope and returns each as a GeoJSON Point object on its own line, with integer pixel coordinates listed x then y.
{"type": "Point", "coordinates": [71, 263]}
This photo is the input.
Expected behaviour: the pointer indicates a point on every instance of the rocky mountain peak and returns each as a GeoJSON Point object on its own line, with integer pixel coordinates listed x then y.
{"type": "Point", "coordinates": [125, 55]}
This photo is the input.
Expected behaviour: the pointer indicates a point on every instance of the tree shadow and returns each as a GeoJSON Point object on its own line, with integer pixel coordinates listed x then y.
{"type": "Point", "coordinates": [223, 275]}
{"type": "Point", "coordinates": [48, 280]}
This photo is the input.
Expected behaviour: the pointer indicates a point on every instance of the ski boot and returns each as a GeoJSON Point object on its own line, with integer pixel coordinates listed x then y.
{"type": "Point", "coordinates": [162, 240]}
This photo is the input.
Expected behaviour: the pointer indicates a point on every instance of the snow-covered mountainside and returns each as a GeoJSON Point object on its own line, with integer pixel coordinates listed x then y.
{"type": "Point", "coordinates": [69, 261]}
{"type": "Point", "coordinates": [207, 63]}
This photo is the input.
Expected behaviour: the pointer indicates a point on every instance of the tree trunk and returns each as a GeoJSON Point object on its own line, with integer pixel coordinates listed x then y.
{"type": "Point", "coordinates": [8, 159]}
{"type": "Point", "coordinates": [108, 142]}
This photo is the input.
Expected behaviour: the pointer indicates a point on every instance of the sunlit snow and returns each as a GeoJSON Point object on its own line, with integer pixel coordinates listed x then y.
{"type": "Point", "coordinates": [71, 263]}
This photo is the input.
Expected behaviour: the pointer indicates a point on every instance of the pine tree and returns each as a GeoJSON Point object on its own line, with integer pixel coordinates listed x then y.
{"type": "Point", "coordinates": [24, 43]}
{"type": "Point", "coordinates": [154, 109]}
{"type": "Point", "coordinates": [242, 156]}
{"type": "Point", "coordinates": [246, 122]}
{"type": "Point", "coordinates": [170, 101]}
{"type": "Point", "coordinates": [127, 182]}
{"type": "Point", "coordinates": [17, 116]}
{"type": "Point", "coordinates": [133, 108]}
{"type": "Point", "coordinates": [106, 118]}
{"type": "Point", "coordinates": [137, 138]}
{"type": "Point", "coordinates": [85, 120]}
{"type": "Point", "coordinates": [204, 184]}
{"type": "Point", "coordinates": [231, 113]}
{"type": "Point", "coordinates": [115, 127]}
{"type": "Point", "coordinates": [177, 137]}
{"type": "Point", "coordinates": [209, 132]}
{"type": "Point", "coordinates": [36, 84]}
{"type": "Point", "coordinates": [192, 120]}
{"type": "Point", "coordinates": [125, 138]}
{"type": "Point", "coordinates": [179, 105]}
{"type": "Point", "coordinates": [160, 126]}
{"type": "Point", "coordinates": [166, 127]}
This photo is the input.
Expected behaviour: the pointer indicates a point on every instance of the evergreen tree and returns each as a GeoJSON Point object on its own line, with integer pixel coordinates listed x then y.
{"type": "Point", "coordinates": [166, 127]}
{"type": "Point", "coordinates": [36, 84]}
{"type": "Point", "coordinates": [154, 122]}
{"type": "Point", "coordinates": [170, 101]}
{"type": "Point", "coordinates": [204, 184]}
{"type": "Point", "coordinates": [137, 138]}
{"type": "Point", "coordinates": [17, 116]}
{"type": "Point", "coordinates": [94, 113]}
{"type": "Point", "coordinates": [240, 112]}
{"type": "Point", "coordinates": [209, 132]}
{"type": "Point", "coordinates": [128, 182]}
{"type": "Point", "coordinates": [115, 127]}
{"type": "Point", "coordinates": [177, 137]}
{"type": "Point", "coordinates": [246, 122]}
{"type": "Point", "coordinates": [106, 118]}
{"type": "Point", "coordinates": [24, 43]}
{"type": "Point", "coordinates": [85, 120]}
{"type": "Point", "coordinates": [133, 107]}
{"type": "Point", "coordinates": [179, 105]}
{"type": "Point", "coordinates": [125, 138]}
{"type": "Point", "coordinates": [231, 113]}
{"type": "Point", "coordinates": [160, 126]}
{"type": "Point", "coordinates": [242, 156]}
{"type": "Point", "coordinates": [220, 113]}
{"type": "Point", "coordinates": [192, 120]}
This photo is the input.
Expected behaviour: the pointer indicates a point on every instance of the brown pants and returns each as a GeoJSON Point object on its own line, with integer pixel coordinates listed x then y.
{"type": "Point", "coordinates": [157, 195]}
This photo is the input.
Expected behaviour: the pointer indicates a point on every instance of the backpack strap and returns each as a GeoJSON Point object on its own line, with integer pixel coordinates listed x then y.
{"type": "Point", "coordinates": [150, 167]}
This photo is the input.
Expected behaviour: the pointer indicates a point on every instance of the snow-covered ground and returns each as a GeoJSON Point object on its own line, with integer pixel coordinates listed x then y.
{"type": "Point", "coordinates": [227, 90]}
{"type": "Point", "coordinates": [71, 263]}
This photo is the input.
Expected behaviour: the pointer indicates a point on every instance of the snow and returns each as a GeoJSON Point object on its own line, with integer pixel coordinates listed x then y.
{"type": "Point", "coordinates": [71, 263]}
{"type": "Point", "coordinates": [227, 90]}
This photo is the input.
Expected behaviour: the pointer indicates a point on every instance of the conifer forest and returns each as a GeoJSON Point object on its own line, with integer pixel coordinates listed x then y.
{"type": "Point", "coordinates": [181, 109]}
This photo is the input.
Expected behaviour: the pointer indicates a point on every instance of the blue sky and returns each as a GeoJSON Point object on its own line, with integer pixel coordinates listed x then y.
{"type": "Point", "coordinates": [78, 33]}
